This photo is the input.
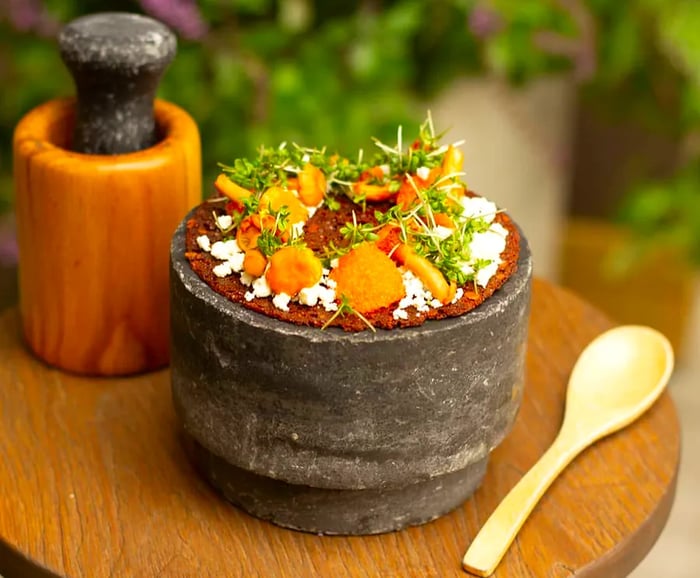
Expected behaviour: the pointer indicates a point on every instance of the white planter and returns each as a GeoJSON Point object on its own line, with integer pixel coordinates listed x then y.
{"type": "Point", "coordinates": [518, 145]}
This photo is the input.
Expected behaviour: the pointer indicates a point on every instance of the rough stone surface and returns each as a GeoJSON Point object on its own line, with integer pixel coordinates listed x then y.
{"type": "Point", "coordinates": [116, 60]}
{"type": "Point", "coordinates": [337, 411]}
{"type": "Point", "coordinates": [323, 511]}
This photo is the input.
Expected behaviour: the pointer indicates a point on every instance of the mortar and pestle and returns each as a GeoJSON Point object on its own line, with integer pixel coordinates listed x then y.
{"type": "Point", "coordinates": [101, 183]}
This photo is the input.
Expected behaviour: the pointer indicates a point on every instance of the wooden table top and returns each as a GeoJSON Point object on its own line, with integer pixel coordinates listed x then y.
{"type": "Point", "coordinates": [94, 483]}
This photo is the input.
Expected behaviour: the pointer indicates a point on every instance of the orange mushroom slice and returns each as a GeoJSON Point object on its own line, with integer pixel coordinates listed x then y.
{"type": "Point", "coordinates": [408, 193]}
{"type": "Point", "coordinates": [452, 164]}
{"type": "Point", "coordinates": [312, 185]}
{"type": "Point", "coordinates": [407, 196]}
{"type": "Point", "coordinates": [453, 161]}
{"type": "Point", "coordinates": [293, 268]}
{"type": "Point", "coordinates": [229, 189]}
{"type": "Point", "coordinates": [373, 186]}
{"type": "Point", "coordinates": [428, 273]}
{"type": "Point", "coordinates": [247, 233]}
{"type": "Point", "coordinates": [444, 220]}
{"type": "Point", "coordinates": [254, 262]}
{"type": "Point", "coordinates": [275, 198]}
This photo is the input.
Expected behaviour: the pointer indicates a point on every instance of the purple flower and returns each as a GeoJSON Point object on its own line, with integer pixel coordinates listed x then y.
{"type": "Point", "coordinates": [484, 21]}
{"type": "Point", "coordinates": [182, 15]}
{"type": "Point", "coordinates": [29, 16]}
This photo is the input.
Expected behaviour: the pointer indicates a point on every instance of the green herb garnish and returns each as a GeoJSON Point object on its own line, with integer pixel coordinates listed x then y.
{"type": "Point", "coordinates": [346, 309]}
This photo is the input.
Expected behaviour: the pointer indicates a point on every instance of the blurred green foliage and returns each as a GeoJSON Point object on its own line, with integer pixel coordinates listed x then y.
{"type": "Point", "coordinates": [660, 71]}
{"type": "Point", "coordinates": [310, 71]}
{"type": "Point", "coordinates": [336, 73]}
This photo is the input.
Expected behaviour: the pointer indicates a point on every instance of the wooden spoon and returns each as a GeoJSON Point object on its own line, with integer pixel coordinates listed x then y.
{"type": "Point", "coordinates": [617, 378]}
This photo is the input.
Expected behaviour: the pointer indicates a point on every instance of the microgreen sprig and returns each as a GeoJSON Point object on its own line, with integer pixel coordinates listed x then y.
{"type": "Point", "coordinates": [417, 225]}
{"type": "Point", "coordinates": [358, 233]}
{"type": "Point", "coordinates": [269, 241]}
{"type": "Point", "coordinates": [346, 309]}
{"type": "Point", "coordinates": [224, 230]}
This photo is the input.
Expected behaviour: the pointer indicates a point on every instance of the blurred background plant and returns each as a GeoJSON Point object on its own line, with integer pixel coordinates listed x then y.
{"type": "Point", "coordinates": [651, 75]}
{"type": "Point", "coordinates": [254, 71]}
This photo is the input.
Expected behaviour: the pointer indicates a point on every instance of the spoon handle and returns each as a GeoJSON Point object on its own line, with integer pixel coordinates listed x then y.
{"type": "Point", "coordinates": [499, 531]}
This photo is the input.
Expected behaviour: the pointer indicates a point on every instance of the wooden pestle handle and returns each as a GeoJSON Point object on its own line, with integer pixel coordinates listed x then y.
{"type": "Point", "coordinates": [117, 60]}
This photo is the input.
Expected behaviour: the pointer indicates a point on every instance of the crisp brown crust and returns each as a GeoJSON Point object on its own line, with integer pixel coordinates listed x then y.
{"type": "Point", "coordinates": [319, 231]}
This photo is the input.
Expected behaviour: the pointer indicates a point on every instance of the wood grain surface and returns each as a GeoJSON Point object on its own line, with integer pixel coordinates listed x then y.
{"type": "Point", "coordinates": [94, 483]}
{"type": "Point", "coordinates": [94, 237]}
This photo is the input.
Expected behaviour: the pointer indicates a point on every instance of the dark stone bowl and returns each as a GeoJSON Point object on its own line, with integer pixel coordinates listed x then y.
{"type": "Point", "coordinates": [339, 433]}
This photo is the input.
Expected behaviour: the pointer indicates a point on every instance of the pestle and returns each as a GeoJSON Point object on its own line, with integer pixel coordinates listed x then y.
{"type": "Point", "coordinates": [117, 60]}
{"type": "Point", "coordinates": [101, 183]}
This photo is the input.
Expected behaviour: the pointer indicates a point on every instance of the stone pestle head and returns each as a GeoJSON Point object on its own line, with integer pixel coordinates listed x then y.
{"type": "Point", "coordinates": [116, 60]}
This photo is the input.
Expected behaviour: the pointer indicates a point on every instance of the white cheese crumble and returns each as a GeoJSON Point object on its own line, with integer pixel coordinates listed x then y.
{"type": "Point", "coordinates": [261, 287]}
{"type": "Point", "coordinates": [488, 246]}
{"type": "Point", "coordinates": [416, 294]}
{"type": "Point", "coordinates": [400, 314]}
{"type": "Point", "coordinates": [229, 253]}
{"type": "Point", "coordinates": [309, 296]}
{"type": "Point", "coordinates": [237, 262]}
{"type": "Point", "coordinates": [224, 250]}
{"type": "Point", "coordinates": [489, 243]}
{"type": "Point", "coordinates": [204, 243]}
{"type": "Point", "coordinates": [423, 173]}
{"type": "Point", "coordinates": [222, 269]}
{"type": "Point", "coordinates": [224, 222]}
{"type": "Point", "coordinates": [478, 207]}
{"type": "Point", "coordinates": [281, 301]}
{"type": "Point", "coordinates": [320, 293]}
{"type": "Point", "coordinates": [483, 276]}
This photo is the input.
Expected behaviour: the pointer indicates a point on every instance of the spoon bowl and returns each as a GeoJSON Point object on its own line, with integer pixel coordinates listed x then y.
{"type": "Point", "coordinates": [618, 377]}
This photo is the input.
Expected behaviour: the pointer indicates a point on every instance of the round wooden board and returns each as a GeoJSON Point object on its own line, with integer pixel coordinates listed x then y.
{"type": "Point", "coordinates": [94, 483]}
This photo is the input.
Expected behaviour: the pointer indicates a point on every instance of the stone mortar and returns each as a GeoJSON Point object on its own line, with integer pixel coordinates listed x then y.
{"type": "Point", "coordinates": [371, 431]}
